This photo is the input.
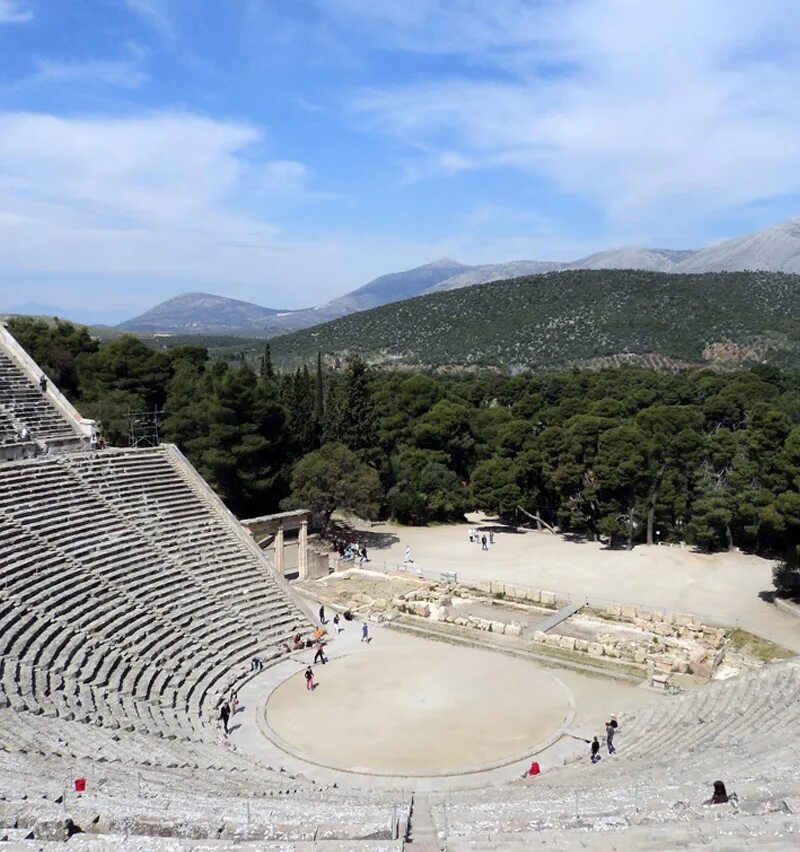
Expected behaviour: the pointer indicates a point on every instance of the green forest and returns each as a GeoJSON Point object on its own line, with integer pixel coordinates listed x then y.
{"type": "Point", "coordinates": [573, 318]}
{"type": "Point", "coordinates": [625, 455]}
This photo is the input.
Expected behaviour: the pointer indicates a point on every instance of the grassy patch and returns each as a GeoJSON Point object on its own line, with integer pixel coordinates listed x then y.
{"type": "Point", "coordinates": [755, 646]}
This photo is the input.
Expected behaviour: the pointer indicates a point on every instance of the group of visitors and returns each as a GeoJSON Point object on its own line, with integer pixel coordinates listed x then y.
{"type": "Point", "coordinates": [319, 656]}
{"type": "Point", "coordinates": [594, 748]}
{"type": "Point", "coordinates": [482, 537]}
{"type": "Point", "coordinates": [352, 550]}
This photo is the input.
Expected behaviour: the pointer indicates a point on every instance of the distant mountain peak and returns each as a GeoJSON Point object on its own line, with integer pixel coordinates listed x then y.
{"type": "Point", "coordinates": [444, 261]}
{"type": "Point", "coordinates": [203, 313]}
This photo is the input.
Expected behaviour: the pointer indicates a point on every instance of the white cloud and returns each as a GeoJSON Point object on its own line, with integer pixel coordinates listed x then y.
{"type": "Point", "coordinates": [652, 111]}
{"type": "Point", "coordinates": [124, 212]}
{"type": "Point", "coordinates": [122, 73]}
{"type": "Point", "coordinates": [14, 12]}
{"type": "Point", "coordinates": [154, 14]}
{"type": "Point", "coordinates": [285, 176]}
{"type": "Point", "coordinates": [153, 195]}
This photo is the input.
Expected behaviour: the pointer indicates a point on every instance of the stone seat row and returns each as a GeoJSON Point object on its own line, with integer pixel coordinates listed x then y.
{"type": "Point", "coordinates": [181, 679]}
{"type": "Point", "coordinates": [660, 798]}
{"type": "Point", "coordinates": [23, 401]}
{"type": "Point", "coordinates": [753, 751]}
{"type": "Point", "coordinates": [253, 798]}
{"type": "Point", "coordinates": [81, 583]}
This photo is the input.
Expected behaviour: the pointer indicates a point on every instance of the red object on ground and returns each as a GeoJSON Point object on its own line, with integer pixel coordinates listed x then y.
{"type": "Point", "coordinates": [80, 785]}
{"type": "Point", "coordinates": [534, 770]}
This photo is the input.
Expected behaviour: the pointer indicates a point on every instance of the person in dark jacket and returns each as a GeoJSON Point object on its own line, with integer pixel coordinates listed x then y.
{"type": "Point", "coordinates": [309, 678]}
{"type": "Point", "coordinates": [719, 796]}
{"type": "Point", "coordinates": [595, 749]}
{"type": "Point", "coordinates": [224, 715]}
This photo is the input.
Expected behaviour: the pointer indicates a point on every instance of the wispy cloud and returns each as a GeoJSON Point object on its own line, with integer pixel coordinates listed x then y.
{"type": "Point", "coordinates": [284, 176]}
{"type": "Point", "coordinates": [146, 193]}
{"type": "Point", "coordinates": [164, 196]}
{"type": "Point", "coordinates": [155, 14]}
{"type": "Point", "coordinates": [122, 73]}
{"type": "Point", "coordinates": [647, 109]}
{"type": "Point", "coordinates": [14, 12]}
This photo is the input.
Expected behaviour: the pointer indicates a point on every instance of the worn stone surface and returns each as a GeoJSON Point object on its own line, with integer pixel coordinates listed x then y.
{"type": "Point", "coordinates": [53, 829]}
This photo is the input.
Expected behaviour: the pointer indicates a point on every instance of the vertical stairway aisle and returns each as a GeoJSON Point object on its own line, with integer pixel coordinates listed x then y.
{"type": "Point", "coordinates": [422, 836]}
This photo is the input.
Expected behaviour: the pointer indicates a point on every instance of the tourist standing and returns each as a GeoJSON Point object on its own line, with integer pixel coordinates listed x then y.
{"type": "Point", "coordinates": [365, 632]}
{"type": "Point", "coordinates": [224, 715]}
{"type": "Point", "coordinates": [337, 627]}
{"type": "Point", "coordinates": [484, 545]}
{"type": "Point", "coordinates": [491, 536]}
{"type": "Point", "coordinates": [408, 556]}
{"type": "Point", "coordinates": [595, 750]}
{"type": "Point", "coordinates": [322, 614]}
{"type": "Point", "coordinates": [310, 679]}
{"type": "Point", "coordinates": [611, 729]}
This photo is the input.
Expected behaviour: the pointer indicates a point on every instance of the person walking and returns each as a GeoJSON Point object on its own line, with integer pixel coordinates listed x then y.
{"type": "Point", "coordinates": [337, 627]}
{"type": "Point", "coordinates": [234, 702]}
{"type": "Point", "coordinates": [309, 679]}
{"type": "Point", "coordinates": [319, 657]}
{"type": "Point", "coordinates": [322, 614]}
{"type": "Point", "coordinates": [408, 556]}
{"type": "Point", "coordinates": [611, 729]}
{"type": "Point", "coordinates": [491, 536]}
{"type": "Point", "coordinates": [365, 632]}
{"type": "Point", "coordinates": [595, 751]}
{"type": "Point", "coordinates": [224, 715]}
{"type": "Point", "coordinates": [484, 545]}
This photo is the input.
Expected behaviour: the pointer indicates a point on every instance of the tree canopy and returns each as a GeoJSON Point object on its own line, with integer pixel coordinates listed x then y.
{"type": "Point", "coordinates": [628, 455]}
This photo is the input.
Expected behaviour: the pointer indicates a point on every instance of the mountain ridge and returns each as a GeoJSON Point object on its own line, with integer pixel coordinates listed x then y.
{"type": "Point", "coordinates": [572, 318]}
{"type": "Point", "coordinates": [775, 248]}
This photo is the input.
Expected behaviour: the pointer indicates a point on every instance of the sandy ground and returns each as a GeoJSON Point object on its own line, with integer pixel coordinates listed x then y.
{"type": "Point", "coordinates": [722, 587]}
{"type": "Point", "coordinates": [462, 708]}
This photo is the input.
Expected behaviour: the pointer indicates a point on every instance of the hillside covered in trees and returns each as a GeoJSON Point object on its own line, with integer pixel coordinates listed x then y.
{"type": "Point", "coordinates": [627, 455]}
{"type": "Point", "coordinates": [573, 318]}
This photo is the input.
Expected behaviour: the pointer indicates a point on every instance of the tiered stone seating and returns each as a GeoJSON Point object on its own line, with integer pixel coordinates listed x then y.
{"type": "Point", "coordinates": [22, 403]}
{"type": "Point", "coordinates": [130, 604]}
{"type": "Point", "coordinates": [88, 556]}
{"type": "Point", "coordinates": [230, 799]}
{"type": "Point", "coordinates": [740, 731]}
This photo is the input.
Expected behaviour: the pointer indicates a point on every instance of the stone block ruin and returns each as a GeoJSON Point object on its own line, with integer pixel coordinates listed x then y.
{"type": "Point", "coordinates": [651, 641]}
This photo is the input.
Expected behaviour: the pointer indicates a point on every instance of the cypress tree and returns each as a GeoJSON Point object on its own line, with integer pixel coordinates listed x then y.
{"type": "Point", "coordinates": [359, 423]}
{"type": "Point", "coordinates": [267, 370]}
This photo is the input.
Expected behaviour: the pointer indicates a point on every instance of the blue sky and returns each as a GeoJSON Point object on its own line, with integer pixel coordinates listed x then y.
{"type": "Point", "coordinates": [287, 151]}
